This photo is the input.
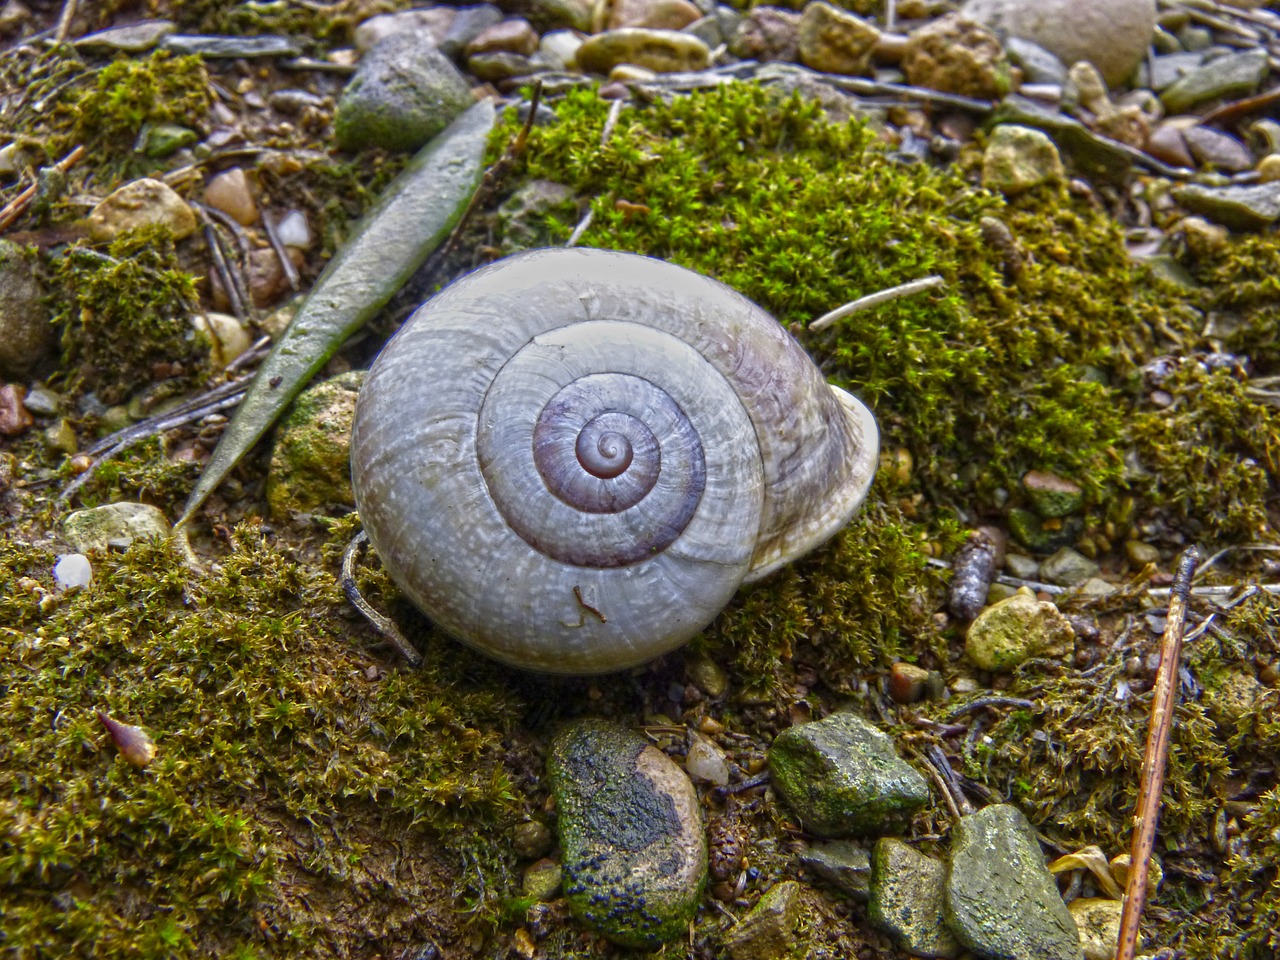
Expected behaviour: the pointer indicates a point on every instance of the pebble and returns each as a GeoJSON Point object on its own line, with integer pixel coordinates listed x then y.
{"type": "Point", "coordinates": [231, 193]}
{"type": "Point", "coordinates": [232, 48]}
{"type": "Point", "coordinates": [1167, 70]}
{"type": "Point", "coordinates": [513, 35]}
{"type": "Point", "coordinates": [1232, 696]}
{"type": "Point", "coordinates": [532, 839]}
{"type": "Point", "coordinates": [1242, 208]}
{"type": "Point", "coordinates": [115, 525]}
{"type": "Point", "coordinates": [1052, 495]}
{"type": "Point", "coordinates": [72, 570]}
{"type": "Point", "coordinates": [1269, 168]}
{"type": "Point", "coordinates": [955, 54]}
{"type": "Point", "coordinates": [468, 23]}
{"type": "Point", "coordinates": [655, 14]}
{"type": "Point", "coordinates": [1001, 899]}
{"type": "Point", "coordinates": [1235, 75]}
{"type": "Point", "coordinates": [1091, 154]}
{"type": "Point", "coordinates": [134, 38]}
{"type": "Point", "coordinates": [662, 51]}
{"type": "Point", "coordinates": [1022, 566]}
{"type": "Point", "coordinates": [433, 22]}
{"type": "Point", "coordinates": [311, 461]}
{"type": "Point", "coordinates": [1140, 554]}
{"type": "Point", "coordinates": [907, 900]}
{"type": "Point", "coordinates": [768, 931]}
{"type": "Point", "coordinates": [403, 93]}
{"type": "Point", "coordinates": [907, 682]}
{"type": "Point", "coordinates": [61, 437]}
{"type": "Point", "coordinates": [1167, 143]}
{"type": "Point", "coordinates": [293, 230]}
{"type": "Point", "coordinates": [499, 65]}
{"type": "Point", "coordinates": [141, 203]}
{"type": "Point", "coordinates": [1098, 921]}
{"type": "Point", "coordinates": [767, 33]}
{"type": "Point", "coordinates": [1113, 35]}
{"type": "Point", "coordinates": [1012, 631]}
{"type": "Point", "coordinates": [706, 761]}
{"type": "Point", "coordinates": [841, 777]}
{"type": "Point", "coordinates": [1020, 158]}
{"type": "Point", "coordinates": [42, 401]}
{"type": "Point", "coordinates": [1067, 568]}
{"type": "Point", "coordinates": [228, 337]}
{"type": "Point", "coordinates": [14, 418]}
{"type": "Point", "coordinates": [26, 335]}
{"type": "Point", "coordinates": [707, 675]}
{"type": "Point", "coordinates": [542, 880]}
{"type": "Point", "coordinates": [559, 48]}
{"type": "Point", "coordinates": [833, 41]}
{"type": "Point", "coordinates": [634, 848]}
{"type": "Point", "coordinates": [160, 140]}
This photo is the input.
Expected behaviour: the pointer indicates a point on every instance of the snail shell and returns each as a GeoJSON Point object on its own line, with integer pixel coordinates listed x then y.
{"type": "Point", "coordinates": [571, 459]}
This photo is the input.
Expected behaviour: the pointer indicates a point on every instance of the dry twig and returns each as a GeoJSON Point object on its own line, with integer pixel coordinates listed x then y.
{"type": "Point", "coordinates": [1163, 700]}
{"type": "Point", "coordinates": [384, 625]}
{"type": "Point", "coordinates": [16, 207]}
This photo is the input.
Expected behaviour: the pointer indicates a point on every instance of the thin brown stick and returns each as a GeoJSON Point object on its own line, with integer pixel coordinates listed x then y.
{"type": "Point", "coordinates": [1163, 701]}
{"type": "Point", "coordinates": [383, 624]}
{"type": "Point", "coordinates": [18, 205]}
{"type": "Point", "coordinates": [64, 21]}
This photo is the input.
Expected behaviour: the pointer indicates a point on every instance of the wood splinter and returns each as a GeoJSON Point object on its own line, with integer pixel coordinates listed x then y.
{"type": "Point", "coordinates": [1163, 701]}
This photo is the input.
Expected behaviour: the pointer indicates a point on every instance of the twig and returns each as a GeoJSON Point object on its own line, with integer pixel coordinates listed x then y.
{"type": "Point", "coordinates": [953, 792]}
{"type": "Point", "coordinates": [610, 122]}
{"type": "Point", "coordinates": [18, 205]}
{"type": "Point", "coordinates": [64, 21]}
{"type": "Point", "coordinates": [1163, 701]}
{"type": "Point", "coordinates": [230, 281]}
{"type": "Point", "coordinates": [382, 624]}
{"type": "Point", "coordinates": [582, 226]}
{"type": "Point", "coordinates": [286, 262]}
{"type": "Point", "coordinates": [1211, 593]}
{"type": "Point", "coordinates": [875, 299]}
{"type": "Point", "coordinates": [983, 702]}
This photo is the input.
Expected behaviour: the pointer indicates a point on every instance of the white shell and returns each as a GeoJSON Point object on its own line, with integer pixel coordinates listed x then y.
{"type": "Point", "coordinates": [717, 453]}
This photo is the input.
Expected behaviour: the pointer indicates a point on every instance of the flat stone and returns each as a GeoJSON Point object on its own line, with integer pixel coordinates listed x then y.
{"type": "Point", "coordinates": [1213, 148]}
{"type": "Point", "coordinates": [907, 900]}
{"type": "Point", "coordinates": [1235, 75]}
{"type": "Point", "coordinates": [1167, 70]}
{"type": "Point", "coordinates": [841, 777]}
{"type": "Point", "coordinates": [842, 863]}
{"type": "Point", "coordinates": [662, 51]}
{"type": "Point", "coordinates": [1067, 568]}
{"type": "Point", "coordinates": [232, 48]}
{"type": "Point", "coordinates": [141, 203]}
{"type": "Point", "coordinates": [1021, 566]}
{"type": "Point", "coordinates": [1012, 631]}
{"type": "Point", "coordinates": [403, 93]}
{"type": "Point", "coordinates": [655, 14]}
{"type": "Point", "coordinates": [500, 65]}
{"type": "Point", "coordinates": [432, 21]}
{"type": "Point", "coordinates": [311, 461]}
{"type": "Point", "coordinates": [1167, 144]}
{"type": "Point", "coordinates": [468, 23]}
{"type": "Point", "coordinates": [1038, 65]}
{"type": "Point", "coordinates": [768, 932]}
{"type": "Point", "coordinates": [131, 38]}
{"type": "Point", "coordinates": [160, 140]}
{"type": "Point", "coordinates": [634, 848]}
{"type": "Point", "coordinates": [1240, 208]}
{"type": "Point", "coordinates": [1018, 159]}
{"type": "Point", "coordinates": [834, 41]}
{"type": "Point", "coordinates": [513, 35]}
{"type": "Point", "coordinates": [114, 525]}
{"type": "Point", "coordinates": [1001, 899]}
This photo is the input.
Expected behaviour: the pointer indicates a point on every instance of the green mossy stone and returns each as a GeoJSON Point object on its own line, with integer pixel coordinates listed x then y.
{"type": "Point", "coordinates": [311, 463]}
{"type": "Point", "coordinates": [1068, 568]}
{"type": "Point", "coordinates": [1051, 495]}
{"type": "Point", "coordinates": [165, 139]}
{"type": "Point", "coordinates": [907, 899]}
{"type": "Point", "coordinates": [26, 335]}
{"type": "Point", "coordinates": [634, 850]}
{"type": "Point", "coordinates": [1009, 632]}
{"type": "Point", "coordinates": [1030, 530]}
{"type": "Point", "coordinates": [768, 932]}
{"type": "Point", "coordinates": [1001, 901]}
{"type": "Point", "coordinates": [842, 777]}
{"type": "Point", "coordinates": [1017, 159]}
{"type": "Point", "coordinates": [403, 93]}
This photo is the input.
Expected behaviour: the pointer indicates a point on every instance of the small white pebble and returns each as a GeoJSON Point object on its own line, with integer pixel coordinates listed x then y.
{"type": "Point", "coordinates": [705, 761]}
{"type": "Point", "coordinates": [293, 230]}
{"type": "Point", "coordinates": [72, 570]}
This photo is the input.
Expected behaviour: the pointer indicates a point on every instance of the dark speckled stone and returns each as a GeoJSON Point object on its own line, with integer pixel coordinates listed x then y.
{"type": "Point", "coordinates": [635, 854]}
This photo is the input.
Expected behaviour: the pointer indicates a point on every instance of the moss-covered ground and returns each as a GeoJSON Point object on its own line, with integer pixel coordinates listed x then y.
{"type": "Point", "coordinates": [311, 796]}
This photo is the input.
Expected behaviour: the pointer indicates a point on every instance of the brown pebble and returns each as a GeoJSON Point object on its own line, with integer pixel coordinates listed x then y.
{"type": "Point", "coordinates": [1216, 149]}
{"type": "Point", "coordinates": [614, 91]}
{"type": "Point", "coordinates": [230, 193]}
{"type": "Point", "coordinates": [907, 682]}
{"type": "Point", "coordinates": [514, 35]}
{"type": "Point", "coordinates": [14, 417]}
{"type": "Point", "coordinates": [1167, 143]}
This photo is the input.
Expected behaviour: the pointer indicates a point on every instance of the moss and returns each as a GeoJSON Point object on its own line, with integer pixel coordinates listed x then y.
{"type": "Point", "coordinates": [126, 311]}
{"type": "Point", "coordinates": [801, 215]}
{"type": "Point", "coordinates": [283, 765]}
{"type": "Point", "coordinates": [129, 92]}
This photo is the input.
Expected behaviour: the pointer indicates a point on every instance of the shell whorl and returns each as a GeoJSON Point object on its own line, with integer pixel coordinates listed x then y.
{"type": "Point", "coordinates": [571, 459]}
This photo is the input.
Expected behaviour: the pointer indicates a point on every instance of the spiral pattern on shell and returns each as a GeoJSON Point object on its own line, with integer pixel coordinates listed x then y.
{"type": "Point", "coordinates": [571, 459]}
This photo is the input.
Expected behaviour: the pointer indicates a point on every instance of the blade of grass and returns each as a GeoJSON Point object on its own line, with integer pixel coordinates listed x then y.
{"type": "Point", "coordinates": [414, 215]}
